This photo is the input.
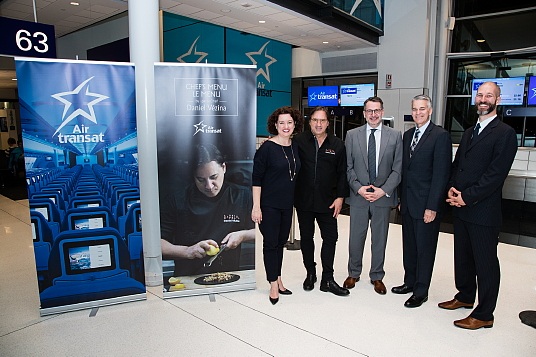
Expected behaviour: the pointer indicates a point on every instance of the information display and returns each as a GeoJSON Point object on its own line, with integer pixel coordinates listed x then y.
{"type": "Point", "coordinates": [512, 89]}
{"type": "Point", "coordinates": [356, 94]}
{"type": "Point", "coordinates": [83, 257]}
{"type": "Point", "coordinates": [531, 95]}
{"type": "Point", "coordinates": [327, 96]}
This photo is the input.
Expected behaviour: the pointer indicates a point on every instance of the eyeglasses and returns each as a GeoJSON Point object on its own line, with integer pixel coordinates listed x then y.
{"type": "Point", "coordinates": [375, 111]}
{"type": "Point", "coordinates": [321, 121]}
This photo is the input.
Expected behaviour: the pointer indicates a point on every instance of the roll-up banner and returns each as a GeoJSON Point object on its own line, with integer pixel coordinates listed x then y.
{"type": "Point", "coordinates": [206, 117]}
{"type": "Point", "coordinates": [80, 159]}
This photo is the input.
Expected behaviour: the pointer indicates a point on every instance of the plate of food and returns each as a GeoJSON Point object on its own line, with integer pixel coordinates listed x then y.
{"type": "Point", "coordinates": [216, 278]}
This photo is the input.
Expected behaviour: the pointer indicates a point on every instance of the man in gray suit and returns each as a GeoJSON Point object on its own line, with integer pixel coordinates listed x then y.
{"type": "Point", "coordinates": [374, 158]}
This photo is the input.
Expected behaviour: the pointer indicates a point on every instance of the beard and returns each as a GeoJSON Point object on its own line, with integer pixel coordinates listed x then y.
{"type": "Point", "coordinates": [491, 107]}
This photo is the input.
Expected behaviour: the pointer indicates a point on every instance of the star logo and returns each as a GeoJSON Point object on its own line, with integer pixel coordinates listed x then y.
{"type": "Point", "coordinates": [312, 97]}
{"type": "Point", "coordinates": [533, 93]}
{"type": "Point", "coordinates": [193, 48]}
{"type": "Point", "coordinates": [200, 127]}
{"type": "Point", "coordinates": [78, 100]}
{"type": "Point", "coordinates": [264, 70]}
{"type": "Point", "coordinates": [376, 3]}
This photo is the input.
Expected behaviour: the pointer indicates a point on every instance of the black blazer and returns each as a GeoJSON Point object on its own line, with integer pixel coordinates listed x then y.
{"type": "Point", "coordinates": [426, 174]}
{"type": "Point", "coordinates": [479, 171]}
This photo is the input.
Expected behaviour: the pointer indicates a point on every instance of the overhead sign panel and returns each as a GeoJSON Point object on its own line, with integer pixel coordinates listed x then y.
{"type": "Point", "coordinates": [28, 39]}
{"type": "Point", "coordinates": [327, 96]}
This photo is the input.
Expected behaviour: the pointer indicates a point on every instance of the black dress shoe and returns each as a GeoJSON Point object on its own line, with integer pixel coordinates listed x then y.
{"type": "Point", "coordinates": [333, 287]}
{"type": "Point", "coordinates": [415, 301]}
{"type": "Point", "coordinates": [274, 301]}
{"type": "Point", "coordinates": [285, 292]}
{"type": "Point", "coordinates": [402, 289]}
{"type": "Point", "coordinates": [309, 283]}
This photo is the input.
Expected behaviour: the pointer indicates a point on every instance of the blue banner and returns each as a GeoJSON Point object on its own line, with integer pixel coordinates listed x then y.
{"type": "Point", "coordinates": [80, 150]}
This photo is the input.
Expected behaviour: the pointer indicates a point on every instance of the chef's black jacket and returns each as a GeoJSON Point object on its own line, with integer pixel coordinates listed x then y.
{"type": "Point", "coordinates": [322, 177]}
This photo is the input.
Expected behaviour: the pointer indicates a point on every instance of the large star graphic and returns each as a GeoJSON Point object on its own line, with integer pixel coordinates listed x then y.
{"type": "Point", "coordinates": [200, 127]}
{"type": "Point", "coordinates": [533, 93]}
{"type": "Point", "coordinates": [312, 96]}
{"type": "Point", "coordinates": [264, 71]}
{"type": "Point", "coordinates": [193, 49]}
{"type": "Point", "coordinates": [78, 99]}
{"type": "Point", "coordinates": [376, 2]}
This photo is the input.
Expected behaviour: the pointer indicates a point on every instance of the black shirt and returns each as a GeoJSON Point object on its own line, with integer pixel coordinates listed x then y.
{"type": "Point", "coordinates": [190, 217]}
{"type": "Point", "coordinates": [274, 166]}
{"type": "Point", "coordinates": [322, 177]}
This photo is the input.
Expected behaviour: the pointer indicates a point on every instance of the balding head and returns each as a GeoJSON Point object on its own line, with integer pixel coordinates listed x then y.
{"type": "Point", "coordinates": [488, 96]}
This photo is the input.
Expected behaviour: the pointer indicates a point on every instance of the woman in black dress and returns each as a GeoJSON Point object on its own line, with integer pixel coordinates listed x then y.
{"type": "Point", "coordinates": [275, 167]}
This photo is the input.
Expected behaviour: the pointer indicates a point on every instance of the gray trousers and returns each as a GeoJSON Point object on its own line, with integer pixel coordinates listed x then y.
{"type": "Point", "coordinates": [379, 227]}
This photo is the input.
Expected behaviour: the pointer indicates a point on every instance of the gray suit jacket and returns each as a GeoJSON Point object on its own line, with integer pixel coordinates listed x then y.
{"type": "Point", "coordinates": [389, 165]}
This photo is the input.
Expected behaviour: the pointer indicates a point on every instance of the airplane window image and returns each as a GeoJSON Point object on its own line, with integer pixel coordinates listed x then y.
{"type": "Point", "coordinates": [209, 213]}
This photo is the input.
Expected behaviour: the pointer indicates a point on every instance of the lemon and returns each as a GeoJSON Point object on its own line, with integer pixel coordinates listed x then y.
{"type": "Point", "coordinates": [213, 250]}
{"type": "Point", "coordinates": [177, 287]}
{"type": "Point", "coordinates": [173, 280]}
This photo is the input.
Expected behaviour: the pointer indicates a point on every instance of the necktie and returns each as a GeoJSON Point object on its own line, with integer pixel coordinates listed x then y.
{"type": "Point", "coordinates": [372, 157]}
{"type": "Point", "coordinates": [475, 132]}
{"type": "Point", "coordinates": [414, 142]}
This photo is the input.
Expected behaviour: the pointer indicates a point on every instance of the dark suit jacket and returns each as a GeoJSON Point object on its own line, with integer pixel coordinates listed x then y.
{"type": "Point", "coordinates": [426, 174]}
{"type": "Point", "coordinates": [479, 171]}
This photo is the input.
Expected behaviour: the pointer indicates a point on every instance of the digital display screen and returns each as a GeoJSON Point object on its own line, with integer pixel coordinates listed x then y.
{"type": "Point", "coordinates": [87, 193]}
{"type": "Point", "coordinates": [356, 94]}
{"type": "Point", "coordinates": [138, 220]}
{"type": "Point", "coordinates": [86, 160]}
{"type": "Point", "coordinates": [88, 222]}
{"type": "Point", "coordinates": [87, 204]}
{"type": "Point", "coordinates": [130, 202]}
{"type": "Point", "coordinates": [531, 95]}
{"type": "Point", "coordinates": [512, 89]}
{"type": "Point", "coordinates": [48, 158]}
{"type": "Point", "coordinates": [34, 233]}
{"type": "Point", "coordinates": [89, 256]}
{"type": "Point", "coordinates": [121, 155]}
{"type": "Point", "coordinates": [43, 210]}
{"type": "Point", "coordinates": [52, 198]}
{"type": "Point", "coordinates": [327, 96]}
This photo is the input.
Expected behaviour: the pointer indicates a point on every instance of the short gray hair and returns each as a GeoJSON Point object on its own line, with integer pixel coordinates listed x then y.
{"type": "Point", "coordinates": [423, 97]}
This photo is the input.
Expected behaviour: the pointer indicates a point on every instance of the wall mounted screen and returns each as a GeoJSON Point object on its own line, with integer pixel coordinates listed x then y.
{"type": "Point", "coordinates": [356, 94]}
{"type": "Point", "coordinates": [512, 89]}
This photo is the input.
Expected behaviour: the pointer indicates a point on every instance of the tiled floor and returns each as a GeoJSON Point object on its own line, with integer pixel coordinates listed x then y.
{"type": "Point", "coordinates": [246, 324]}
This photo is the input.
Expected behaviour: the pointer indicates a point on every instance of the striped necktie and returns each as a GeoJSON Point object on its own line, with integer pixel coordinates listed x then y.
{"type": "Point", "coordinates": [372, 157]}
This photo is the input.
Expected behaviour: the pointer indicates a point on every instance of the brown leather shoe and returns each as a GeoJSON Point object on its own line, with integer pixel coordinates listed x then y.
{"type": "Point", "coordinates": [454, 304]}
{"type": "Point", "coordinates": [379, 287]}
{"type": "Point", "coordinates": [471, 323]}
{"type": "Point", "coordinates": [349, 283]}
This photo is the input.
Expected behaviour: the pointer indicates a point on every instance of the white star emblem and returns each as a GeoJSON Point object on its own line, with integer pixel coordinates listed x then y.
{"type": "Point", "coordinates": [193, 48]}
{"type": "Point", "coordinates": [533, 93]}
{"type": "Point", "coordinates": [264, 71]}
{"type": "Point", "coordinates": [376, 3]}
{"type": "Point", "coordinates": [200, 127]}
{"type": "Point", "coordinates": [80, 101]}
{"type": "Point", "coordinates": [312, 96]}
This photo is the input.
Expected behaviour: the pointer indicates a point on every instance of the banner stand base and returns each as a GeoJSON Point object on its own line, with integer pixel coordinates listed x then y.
{"type": "Point", "coordinates": [294, 245]}
{"type": "Point", "coordinates": [210, 291]}
{"type": "Point", "coordinates": [92, 304]}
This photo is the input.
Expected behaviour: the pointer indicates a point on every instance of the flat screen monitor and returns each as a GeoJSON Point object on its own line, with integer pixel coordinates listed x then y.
{"type": "Point", "coordinates": [34, 230]}
{"type": "Point", "coordinates": [87, 193]}
{"type": "Point", "coordinates": [512, 89]}
{"type": "Point", "coordinates": [138, 221]}
{"type": "Point", "coordinates": [121, 155]}
{"type": "Point", "coordinates": [356, 94]}
{"type": "Point", "coordinates": [92, 221]}
{"type": "Point", "coordinates": [50, 197]}
{"type": "Point", "coordinates": [84, 204]}
{"type": "Point", "coordinates": [86, 161]}
{"type": "Point", "coordinates": [48, 158]}
{"type": "Point", "coordinates": [130, 201]}
{"type": "Point", "coordinates": [43, 209]}
{"type": "Point", "coordinates": [89, 256]}
{"type": "Point", "coordinates": [327, 96]}
{"type": "Point", "coordinates": [531, 95]}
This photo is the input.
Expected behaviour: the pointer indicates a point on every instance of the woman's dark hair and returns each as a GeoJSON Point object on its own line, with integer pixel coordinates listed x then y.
{"type": "Point", "coordinates": [203, 154]}
{"type": "Point", "coordinates": [295, 114]}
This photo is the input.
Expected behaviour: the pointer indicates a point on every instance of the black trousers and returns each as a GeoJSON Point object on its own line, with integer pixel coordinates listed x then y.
{"type": "Point", "coordinates": [419, 250]}
{"type": "Point", "coordinates": [328, 230]}
{"type": "Point", "coordinates": [275, 228]}
{"type": "Point", "coordinates": [476, 264]}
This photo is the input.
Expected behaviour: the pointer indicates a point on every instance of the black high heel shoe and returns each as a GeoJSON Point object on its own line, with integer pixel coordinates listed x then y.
{"type": "Point", "coordinates": [274, 301]}
{"type": "Point", "coordinates": [285, 292]}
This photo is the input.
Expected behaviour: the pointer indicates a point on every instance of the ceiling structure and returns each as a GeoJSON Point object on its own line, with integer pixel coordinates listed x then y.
{"type": "Point", "coordinates": [279, 24]}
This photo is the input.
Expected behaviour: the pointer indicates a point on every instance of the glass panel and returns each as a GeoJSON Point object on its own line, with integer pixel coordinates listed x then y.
{"type": "Point", "coordinates": [530, 132]}
{"type": "Point", "coordinates": [478, 7]}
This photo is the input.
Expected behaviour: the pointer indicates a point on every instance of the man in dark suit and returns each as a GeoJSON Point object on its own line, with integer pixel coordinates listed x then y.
{"type": "Point", "coordinates": [321, 187]}
{"type": "Point", "coordinates": [482, 163]}
{"type": "Point", "coordinates": [425, 173]}
{"type": "Point", "coordinates": [374, 159]}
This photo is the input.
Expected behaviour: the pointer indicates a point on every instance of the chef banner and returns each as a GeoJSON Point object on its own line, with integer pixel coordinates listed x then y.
{"type": "Point", "coordinates": [80, 159]}
{"type": "Point", "coordinates": [205, 121]}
